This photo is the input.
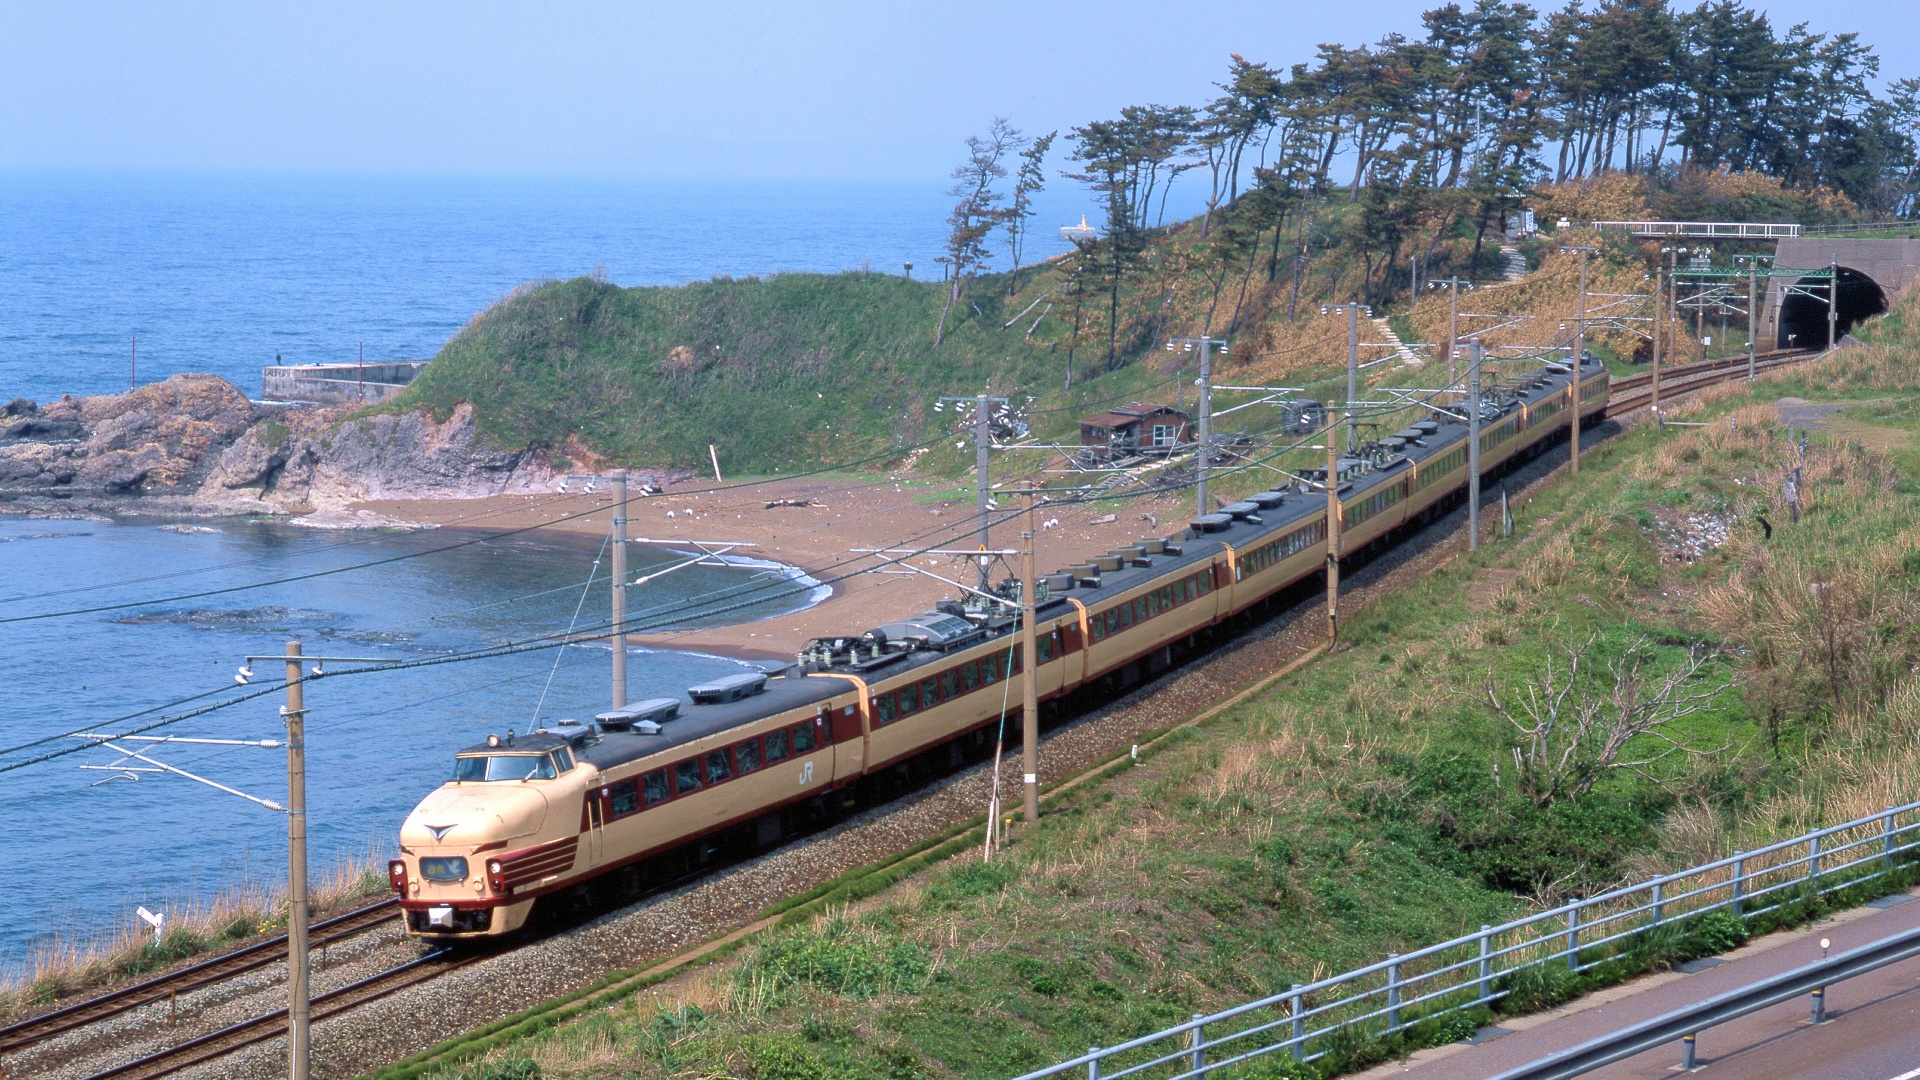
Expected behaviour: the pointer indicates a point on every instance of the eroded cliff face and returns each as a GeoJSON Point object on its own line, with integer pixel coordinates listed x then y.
{"type": "Point", "coordinates": [195, 444]}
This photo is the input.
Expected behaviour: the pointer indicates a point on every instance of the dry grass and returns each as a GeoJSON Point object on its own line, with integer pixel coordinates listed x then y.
{"type": "Point", "coordinates": [68, 966]}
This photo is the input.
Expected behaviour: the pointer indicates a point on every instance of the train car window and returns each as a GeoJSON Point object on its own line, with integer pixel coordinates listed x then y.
{"type": "Point", "coordinates": [746, 756]}
{"type": "Point", "coordinates": [1142, 609]}
{"type": "Point", "coordinates": [1153, 603]}
{"type": "Point", "coordinates": [686, 776]}
{"type": "Point", "coordinates": [623, 798]}
{"type": "Point", "coordinates": [777, 740]}
{"type": "Point", "coordinates": [929, 693]}
{"type": "Point", "coordinates": [909, 702]}
{"type": "Point", "coordinates": [990, 669]}
{"type": "Point", "coordinates": [1044, 645]}
{"type": "Point", "coordinates": [654, 787]}
{"type": "Point", "coordinates": [883, 713]}
{"type": "Point", "coordinates": [503, 767]}
{"type": "Point", "coordinates": [1098, 628]}
{"type": "Point", "coordinates": [719, 766]}
{"type": "Point", "coordinates": [969, 676]}
{"type": "Point", "coordinates": [563, 759]}
{"type": "Point", "coordinates": [803, 739]}
{"type": "Point", "coordinates": [950, 683]}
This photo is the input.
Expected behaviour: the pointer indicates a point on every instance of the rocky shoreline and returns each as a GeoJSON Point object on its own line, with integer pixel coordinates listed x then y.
{"type": "Point", "coordinates": [194, 445]}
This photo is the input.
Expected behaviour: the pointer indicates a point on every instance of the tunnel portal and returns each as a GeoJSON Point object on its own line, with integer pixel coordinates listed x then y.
{"type": "Point", "coordinates": [1803, 318]}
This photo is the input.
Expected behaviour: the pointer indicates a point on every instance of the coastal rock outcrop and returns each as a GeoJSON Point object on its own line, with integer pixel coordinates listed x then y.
{"type": "Point", "coordinates": [195, 444]}
{"type": "Point", "coordinates": [321, 459]}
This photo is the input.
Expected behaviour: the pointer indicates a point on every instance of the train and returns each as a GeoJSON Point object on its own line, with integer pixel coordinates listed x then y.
{"type": "Point", "coordinates": [655, 788]}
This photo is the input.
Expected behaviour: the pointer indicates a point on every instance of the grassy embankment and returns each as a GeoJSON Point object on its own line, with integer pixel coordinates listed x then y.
{"type": "Point", "coordinates": [1371, 802]}
{"type": "Point", "coordinates": [66, 969]}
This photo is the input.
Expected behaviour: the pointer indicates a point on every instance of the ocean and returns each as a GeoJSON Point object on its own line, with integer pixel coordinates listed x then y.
{"type": "Point", "coordinates": [227, 274]}
{"type": "Point", "coordinates": [112, 276]}
{"type": "Point", "coordinates": [88, 837]}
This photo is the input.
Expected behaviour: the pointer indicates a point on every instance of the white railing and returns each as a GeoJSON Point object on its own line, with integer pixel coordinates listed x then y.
{"type": "Point", "coordinates": [1733, 230]}
{"type": "Point", "coordinates": [1474, 970]}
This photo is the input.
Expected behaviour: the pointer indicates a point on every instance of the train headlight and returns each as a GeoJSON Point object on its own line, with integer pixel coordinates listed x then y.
{"type": "Point", "coordinates": [496, 876]}
{"type": "Point", "coordinates": [397, 875]}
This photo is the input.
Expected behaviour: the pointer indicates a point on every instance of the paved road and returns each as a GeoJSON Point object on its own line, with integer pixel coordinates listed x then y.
{"type": "Point", "coordinates": [1872, 1030]}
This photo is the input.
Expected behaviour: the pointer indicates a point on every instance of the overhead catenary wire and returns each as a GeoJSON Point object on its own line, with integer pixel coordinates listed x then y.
{"type": "Point", "coordinates": [659, 615]}
{"type": "Point", "coordinates": [489, 538]}
{"type": "Point", "coordinates": [547, 641]}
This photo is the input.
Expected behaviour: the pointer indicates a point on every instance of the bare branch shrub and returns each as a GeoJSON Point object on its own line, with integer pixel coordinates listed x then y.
{"type": "Point", "coordinates": [1580, 716]}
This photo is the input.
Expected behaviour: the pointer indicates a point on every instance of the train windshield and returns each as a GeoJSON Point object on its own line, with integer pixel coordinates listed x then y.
{"type": "Point", "coordinates": [502, 767]}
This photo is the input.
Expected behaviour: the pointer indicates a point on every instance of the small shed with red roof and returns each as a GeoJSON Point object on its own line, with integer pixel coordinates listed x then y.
{"type": "Point", "coordinates": [1136, 428]}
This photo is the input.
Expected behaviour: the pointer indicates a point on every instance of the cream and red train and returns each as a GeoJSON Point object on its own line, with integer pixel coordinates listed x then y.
{"type": "Point", "coordinates": [543, 814]}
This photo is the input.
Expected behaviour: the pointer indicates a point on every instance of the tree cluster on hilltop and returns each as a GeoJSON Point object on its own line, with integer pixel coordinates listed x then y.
{"type": "Point", "coordinates": [1419, 137]}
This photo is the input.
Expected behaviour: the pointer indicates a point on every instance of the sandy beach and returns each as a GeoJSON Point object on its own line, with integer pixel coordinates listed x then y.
{"type": "Point", "coordinates": [841, 514]}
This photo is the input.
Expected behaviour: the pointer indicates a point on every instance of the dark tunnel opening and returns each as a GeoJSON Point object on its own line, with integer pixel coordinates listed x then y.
{"type": "Point", "coordinates": [1803, 319]}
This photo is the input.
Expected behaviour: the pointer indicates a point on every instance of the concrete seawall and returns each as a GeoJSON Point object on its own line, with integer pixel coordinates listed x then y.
{"type": "Point", "coordinates": [339, 384]}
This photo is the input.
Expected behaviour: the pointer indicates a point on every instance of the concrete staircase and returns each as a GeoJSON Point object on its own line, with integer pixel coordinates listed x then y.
{"type": "Point", "coordinates": [1513, 265]}
{"type": "Point", "coordinates": [1406, 356]}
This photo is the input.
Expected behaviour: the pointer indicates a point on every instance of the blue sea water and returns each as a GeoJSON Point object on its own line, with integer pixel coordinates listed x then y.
{"type": "Point", "coordinates": [76, 857]}
{"type": "Point", "coordinates": [221, 273]}
{"type": "Point", "coordinates": [224, 274]}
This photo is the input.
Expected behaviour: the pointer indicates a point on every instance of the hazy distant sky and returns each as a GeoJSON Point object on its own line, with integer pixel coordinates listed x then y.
{"type": "Point", "coordinates": [701, 88]}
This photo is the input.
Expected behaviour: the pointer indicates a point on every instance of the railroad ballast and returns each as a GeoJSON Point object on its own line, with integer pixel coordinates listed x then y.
{"type": "Point", "coordinates": [551, 813]}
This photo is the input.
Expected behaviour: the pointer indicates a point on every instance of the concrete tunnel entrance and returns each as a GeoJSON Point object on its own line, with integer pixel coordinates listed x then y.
{"type": "Point", "coordinates": [1803, 318]}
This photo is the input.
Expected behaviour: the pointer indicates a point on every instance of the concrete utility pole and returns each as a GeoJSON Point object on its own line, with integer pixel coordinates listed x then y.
{"type": "Point", "coordinates": [1354, 312]}
{"type": "Point", "coordinates": [1753, 309]}
{"type": "Point", "coordinates": [619, 588]}
{"type": "Point", "coordinates": [982, 442]}
{"type": "Point", "coordinates": [1579, 351]}
{"type": "Point", "coordinates": [1833, 304]}
{"type": "Point", "coordinates": [1333, 538]}
{"type": "Point", "coordinates": [1453, 322]}
{"type": "Point", "coordinates": [1203, 458]}
{"type": "Point", "coordinates": [1473, 445]}
{"type": "Point", "coordinates": [1662, 317]}
{"type": "Point", "coordinates": [1030, 658]}
{"type": "Point", "coordinates": [299, 1006]}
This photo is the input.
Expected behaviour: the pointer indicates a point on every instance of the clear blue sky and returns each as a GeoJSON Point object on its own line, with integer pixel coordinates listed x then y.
{"type": "Point", "coordinates": [597, 88]}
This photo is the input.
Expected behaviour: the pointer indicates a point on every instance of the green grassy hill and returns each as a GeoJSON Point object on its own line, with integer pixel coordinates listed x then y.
{"type": "Point", "coordinates": [780, 372]}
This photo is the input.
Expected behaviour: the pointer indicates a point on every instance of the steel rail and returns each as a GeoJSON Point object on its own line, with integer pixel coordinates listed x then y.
{"type": "Point", "coordinates": [37, 1029]}
{"type": "Point", "coordinates": [1731, 1005]}
{"type": "Point", "coordinates": [1698, 379]}
{"type": "Point", "coordinates": [1681, 371]}
{"type": "Point", "coordinates": [272, 1025]}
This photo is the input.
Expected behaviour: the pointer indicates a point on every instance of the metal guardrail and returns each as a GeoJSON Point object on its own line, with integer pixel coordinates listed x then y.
{"type": "Point", "coordinates": [1731, 1005]}
{"type": "Point", "coordinates": [1307, 1021]}
{"type": "Point", "coordinates": [1731, 230]}
{"type": "Point", "coordinates": [1861, 226]}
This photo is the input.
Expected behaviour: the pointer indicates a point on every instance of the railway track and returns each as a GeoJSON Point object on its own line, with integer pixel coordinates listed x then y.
{"type": "Point", "coordinates": [1635, 391]}
{"type": "Point", "coordinates": [47, 1025]}
{"type": "Point", "coordinates": [273, 1025]}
